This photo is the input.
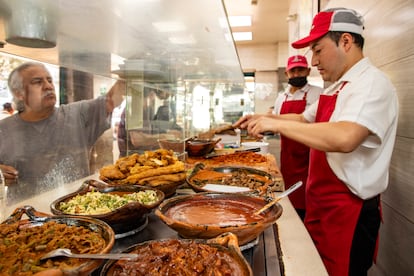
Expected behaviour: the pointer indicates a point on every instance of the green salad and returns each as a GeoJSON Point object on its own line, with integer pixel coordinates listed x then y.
{"type": "Point", "coordinates": [95, 203]}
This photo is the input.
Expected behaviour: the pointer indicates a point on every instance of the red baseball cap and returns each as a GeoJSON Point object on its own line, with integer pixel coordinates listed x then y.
{"type": "Point", "coordinates": [337, 19]}
{"type": "Point", "coordinates": [296, 61]}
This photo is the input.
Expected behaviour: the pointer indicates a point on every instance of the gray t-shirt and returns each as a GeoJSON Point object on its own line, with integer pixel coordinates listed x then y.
{"type": "Point", "coordinates": [53, 151]}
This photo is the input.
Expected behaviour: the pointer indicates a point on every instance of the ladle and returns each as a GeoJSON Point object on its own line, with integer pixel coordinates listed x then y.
{"type": "Point", "coordinates": [65, 252]}
{"type": "Point", "coordinates": [279, 197]}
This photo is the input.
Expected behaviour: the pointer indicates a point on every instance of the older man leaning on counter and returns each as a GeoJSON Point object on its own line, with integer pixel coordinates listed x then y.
{"type": "Point", "coordinates": [43, 145]}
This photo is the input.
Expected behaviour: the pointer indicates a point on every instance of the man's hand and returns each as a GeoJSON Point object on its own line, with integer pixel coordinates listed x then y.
{"type": "Point", "coordinates": [244, 121]}
{"type": "Point", "coordinates": [10, 173]}
{"type": "Point", "coordinates": [115, 95]}
{"type": "Point", "coordinates": [261, 125]}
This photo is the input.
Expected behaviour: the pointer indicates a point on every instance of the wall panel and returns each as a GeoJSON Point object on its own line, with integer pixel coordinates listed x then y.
{"type": "Point", "coordinates": [395, 255]}
{"type": "Point", "coordinates": [401, 73]}
{"type": "Point", "coordinates": [390, 31]}
{"type": "Point", "coordinates": [400, 193]}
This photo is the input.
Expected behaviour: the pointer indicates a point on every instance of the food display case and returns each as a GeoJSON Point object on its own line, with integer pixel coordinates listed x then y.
{"type": "Point", "coordinates": [177, 57]}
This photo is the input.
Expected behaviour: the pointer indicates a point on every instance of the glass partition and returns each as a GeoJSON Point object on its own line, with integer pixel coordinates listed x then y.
{"type": "Point", "coordinates": [177, 56]}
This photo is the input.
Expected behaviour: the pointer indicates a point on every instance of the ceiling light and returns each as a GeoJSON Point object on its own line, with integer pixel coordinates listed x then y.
{"type": "Point", "coordinates": [242, 36]}
{"type": "Point", "coordinates": [240, 21]}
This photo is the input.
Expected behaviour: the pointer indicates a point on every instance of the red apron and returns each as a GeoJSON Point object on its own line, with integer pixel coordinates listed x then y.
{"type": "Point", "coordinates": [332, 210]}
{"type": "Point", "coordinates": [294, 156]}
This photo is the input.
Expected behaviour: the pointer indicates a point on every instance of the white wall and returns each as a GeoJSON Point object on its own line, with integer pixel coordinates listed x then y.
{"type": "Point", "coordinates": [264, 60]}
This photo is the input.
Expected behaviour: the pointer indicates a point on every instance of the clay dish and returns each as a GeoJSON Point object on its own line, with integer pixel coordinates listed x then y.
{"type": "Point", "coordinates": [207, 215]}
{"type": "Point", "coordinates": [124, 219]}
{"type": "Point", "coordinates": [37, 219]}
{"type": "Point", "coordinates": [161, 253]}
{"type": "Point", "coordinates": [198, 147]}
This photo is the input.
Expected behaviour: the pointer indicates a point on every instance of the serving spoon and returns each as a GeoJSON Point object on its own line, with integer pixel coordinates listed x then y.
{"type": "Point", "coordinates": [279, 197]}
{"type": "Point", "coordinates": [66, 252]}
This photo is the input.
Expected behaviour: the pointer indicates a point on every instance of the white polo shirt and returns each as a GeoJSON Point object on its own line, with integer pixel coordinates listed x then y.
{"type": "Point", "coordinates": [369, 99]}
{"type": "Point", "coordinates": [311, 97]}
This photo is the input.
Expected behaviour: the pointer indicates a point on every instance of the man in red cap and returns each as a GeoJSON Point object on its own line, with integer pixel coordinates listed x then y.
{"type": "Point", "coordinates": [351, 132]}
{"type": "Point", "coordinates": [294, 156]}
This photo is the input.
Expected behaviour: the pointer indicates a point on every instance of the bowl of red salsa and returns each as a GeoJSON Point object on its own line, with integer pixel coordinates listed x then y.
{"type": "Point", "coordinates": [207, 215]}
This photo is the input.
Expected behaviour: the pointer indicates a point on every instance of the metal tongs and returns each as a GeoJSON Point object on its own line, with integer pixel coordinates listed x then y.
{"type": "Point", "coordinates": [294, 187]}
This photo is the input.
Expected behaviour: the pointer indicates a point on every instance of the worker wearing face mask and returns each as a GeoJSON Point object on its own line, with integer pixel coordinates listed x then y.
{"type": "Point", "coordinates": [294, 157]}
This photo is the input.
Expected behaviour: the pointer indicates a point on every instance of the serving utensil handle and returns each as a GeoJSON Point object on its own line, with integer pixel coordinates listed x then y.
{"type": "Point", "coordinates": [109, 256]}
{"type": "Point", "coordinates": [293, 188]}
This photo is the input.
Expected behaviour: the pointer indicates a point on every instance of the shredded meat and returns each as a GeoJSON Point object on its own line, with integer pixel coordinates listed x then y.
{"type": "Point", "coordinates": [173, 257]}
{"type": "Point", "coordinates": [242, 178]}
{"type": "Point", "coordinates": [22, 247]}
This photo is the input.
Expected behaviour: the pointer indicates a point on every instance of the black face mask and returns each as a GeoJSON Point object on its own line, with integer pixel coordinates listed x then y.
{"type": "Point", "coordinates": [298, 81]}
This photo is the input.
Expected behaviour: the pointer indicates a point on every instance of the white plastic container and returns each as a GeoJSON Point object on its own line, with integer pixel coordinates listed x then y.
{"type": "Point", "coordinates": [229, 139]}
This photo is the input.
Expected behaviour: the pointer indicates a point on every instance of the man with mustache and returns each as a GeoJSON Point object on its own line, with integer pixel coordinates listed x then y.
{"type": "Point", "coordinates": [42, 145]}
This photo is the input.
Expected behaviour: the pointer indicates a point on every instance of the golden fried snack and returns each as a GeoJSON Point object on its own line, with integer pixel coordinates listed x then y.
{"type": "Point", "coordinates": [152, 167]}
{"type": "Point", "coordinates": [139, 168]}
{"type": "Point", "coordinates": [111, 172]}
{"type": "Point", "coordinates": [158, 158]}
{"type": "Point", "coordinates": [125, 163]}
{"type": "Point", "coordinates": [155, 182]}
{"type": "Point", "coordinates": [154, 162]}
{"type": "Point", "coordinates": [162, 179]}
{"type": "Point", "coordinates": [174, 168]}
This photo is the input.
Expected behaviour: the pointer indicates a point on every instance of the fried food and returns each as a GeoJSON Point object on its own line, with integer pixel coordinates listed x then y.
{"type": "Point", "coordinates": [174, 168]}
{"type": "Point", "coordinates": [137, 168]}
{"type": "Point", "coordinates": [152, 167]}
{"type": "Point", "coordinates": [125, 163]}
{"type": "Point", "coordinates": [163, 179]}
{"type": "Point", "coordinates": [112, 172]}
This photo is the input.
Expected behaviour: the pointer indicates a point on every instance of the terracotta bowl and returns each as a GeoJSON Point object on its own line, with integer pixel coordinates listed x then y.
{"type": "Point", "coordinates": [175, 145]}
{"type": "Point", "coordinates": [230, 179]}
{"type": "Point", "coordinates": [37, 219]}
{"type": "Point", "coordinates": [207, 215]}
{"type": "Point", "coordinates": [122, 220]}
{"type": "Point", "coordinates": [198, 147]}
{"type": "Point", "coordinates": [224, 246]}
